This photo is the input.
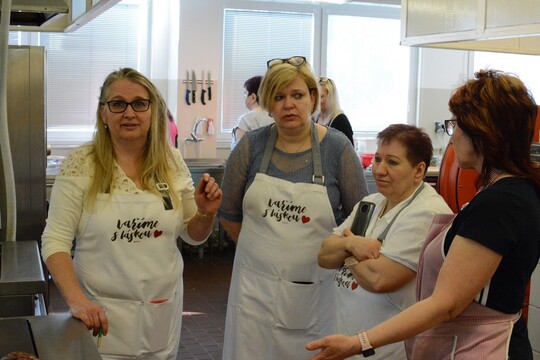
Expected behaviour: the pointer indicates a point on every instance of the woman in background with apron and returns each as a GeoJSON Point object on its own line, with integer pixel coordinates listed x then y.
{"type": "Point", "coordinates": [286, 186]}
{"type": "Point", "coordinates": [472, 276]}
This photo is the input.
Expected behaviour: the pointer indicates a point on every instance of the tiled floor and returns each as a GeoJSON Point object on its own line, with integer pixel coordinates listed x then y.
{"type": "Point", "coordinates": [206, 287]}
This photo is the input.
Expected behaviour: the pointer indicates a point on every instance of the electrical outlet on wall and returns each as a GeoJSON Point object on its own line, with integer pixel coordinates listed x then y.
{"type": "Point", "coordinates": [439, 127]}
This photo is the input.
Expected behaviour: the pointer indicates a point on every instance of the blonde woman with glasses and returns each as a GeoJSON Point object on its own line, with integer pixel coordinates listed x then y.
{"type": "Point", "coordinates": [285, 187]}
{"type": "Point", "coordinates": [331, 114]}
{"type": "Point", "coordinates": [126, 197]}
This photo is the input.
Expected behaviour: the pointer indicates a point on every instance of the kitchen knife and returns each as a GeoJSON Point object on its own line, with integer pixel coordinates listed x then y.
{"type": "Point", "coordinates": [209, 83]}
{"type": "Point", "coordinates": [193, 87]}
{"type": "Point", "coordinates": [187, 88]}
{"type": "Point", "coordinates": [203, 91]}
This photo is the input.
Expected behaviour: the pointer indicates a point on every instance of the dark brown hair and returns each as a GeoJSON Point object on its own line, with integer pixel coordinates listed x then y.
{"type": "Point", "coordinates": [416, 141]}
{"type": "Point", "coordinates": [498, 113]}
{"type": "Point", "coordinates": [252, 86]}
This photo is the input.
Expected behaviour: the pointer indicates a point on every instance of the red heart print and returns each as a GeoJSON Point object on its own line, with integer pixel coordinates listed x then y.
{"type": "Point", "coordinates": [305, 219]}
{"type": "Point", "coordinates": [157, 233]}
{"type": "Point", "coordinates": [354, 285]}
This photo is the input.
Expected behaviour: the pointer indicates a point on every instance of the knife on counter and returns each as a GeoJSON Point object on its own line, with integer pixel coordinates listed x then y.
{"type": "Point", "coordinates": [209, 83]}
{"type": "Point", "coordinates": [203, 91]}
{"type": "Point", "coordinates": [187, 88]}
{"type": "Point", "coordinates": [193, 87]}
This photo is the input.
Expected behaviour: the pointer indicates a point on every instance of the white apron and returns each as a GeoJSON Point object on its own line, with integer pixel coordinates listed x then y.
{"type": "Point", "coordinates": [127, 260]}
{"type": "Point", "coordinates": [477, 333]}
{"type": "Point", "coordinates": [279, 297]}
{"type": "Point", "coordinates": [360, 309]}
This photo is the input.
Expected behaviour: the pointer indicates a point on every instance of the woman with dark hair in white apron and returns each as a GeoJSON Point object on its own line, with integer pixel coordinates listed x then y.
{"type": "Point", "coordinates": [472, 276]}
{"type": "Point", "coordinates": [286, 186]}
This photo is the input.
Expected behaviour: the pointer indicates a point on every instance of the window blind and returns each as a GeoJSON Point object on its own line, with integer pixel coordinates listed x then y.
{"type": "Point", "coordinates": [77, 64]}
{"type": "Point", "coordinates": [251, 38]}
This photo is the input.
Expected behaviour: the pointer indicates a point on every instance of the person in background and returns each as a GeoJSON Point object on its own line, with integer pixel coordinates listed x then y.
{"type": "Point", "coordinates": [285, 187]}
{"type": "Point", "coordinates": [473, 275]}
{"type": "Point", "coordinates": [125, 198]}
{"type": "Point", "coordinates": [369, 291]}
{"type": "Point", "coordinates": [256, 117]}
{"type": "Point", "coordinates": [330, 113]}
{"type": "Point", "coordinates": [173, 129]}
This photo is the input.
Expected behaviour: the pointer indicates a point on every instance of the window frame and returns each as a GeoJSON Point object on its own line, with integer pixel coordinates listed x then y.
{"type": "Point", "coordinates": [321, 12]}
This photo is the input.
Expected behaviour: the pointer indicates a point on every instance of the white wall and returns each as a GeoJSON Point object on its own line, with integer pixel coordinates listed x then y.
{"type": "Point", "coordinates": [200, 48]}
{"type": "Point", "coordinates": [441, 71]}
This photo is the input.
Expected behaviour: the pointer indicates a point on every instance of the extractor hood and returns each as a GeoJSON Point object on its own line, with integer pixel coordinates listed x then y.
{"type": "Point", "coordinates": [36, 12]}
{"type": "Point", "coordinates": [485, 25]}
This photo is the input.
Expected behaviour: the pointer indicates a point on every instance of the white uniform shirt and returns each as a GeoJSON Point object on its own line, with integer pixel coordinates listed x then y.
{"type": "Point", "coordinates": [359, 309]}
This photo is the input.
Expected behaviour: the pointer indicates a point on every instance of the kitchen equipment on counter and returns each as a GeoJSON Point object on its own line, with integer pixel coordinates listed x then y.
{"type": "Point", "coordinates": [52, 337]}
{"type": "Point", "coordinates": [22, 281]}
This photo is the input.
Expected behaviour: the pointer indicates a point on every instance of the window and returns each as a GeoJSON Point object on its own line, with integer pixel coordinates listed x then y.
{"type": "Point", "coordinates": [524, 66]}
{"type": "Point", "coordinates": [75, 72]}
{"type": "Point", "coordinates": [371, 70]}
{"type": "Point", "coordinates": [357, 45]}
{"type": "Point", "coordinates": [78, 62]}
{"type": "Point", "coordinates": [251, 38]}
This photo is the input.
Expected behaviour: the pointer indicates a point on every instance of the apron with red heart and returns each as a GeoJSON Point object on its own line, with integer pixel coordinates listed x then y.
{"type": "Point", "coordinates": [279, 297]}
{"type": "Point", "coordinates": [127, 260]}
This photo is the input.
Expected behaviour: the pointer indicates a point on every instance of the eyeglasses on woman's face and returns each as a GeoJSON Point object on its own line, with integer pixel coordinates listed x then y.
{"type": "Point", "coordinates": [449, 126]}
{"type": "Point", "coordinates": [119, 106]}
{"type": "Point", "coordinates": [295, 60]}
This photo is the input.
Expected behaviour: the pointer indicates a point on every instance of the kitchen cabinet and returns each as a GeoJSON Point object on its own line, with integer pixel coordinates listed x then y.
{"type": "Point", "coordinates": [488, 25]}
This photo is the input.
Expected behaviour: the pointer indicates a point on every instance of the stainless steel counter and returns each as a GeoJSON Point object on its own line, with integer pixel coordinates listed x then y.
{"type": "Point", "coordinates": [21, 271]}
{"type": "Point", "coordinates": [52, 337]}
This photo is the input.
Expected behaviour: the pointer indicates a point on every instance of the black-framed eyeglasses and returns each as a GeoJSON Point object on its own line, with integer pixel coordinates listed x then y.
{"type": "Point", "coordinates": [295, 60]}
{"type": "Point", "coordinates": [449, 126]}
{"type": "Point", "coordinates": [119, 106]}
{"type": "Point", "coordinates": [323, 80]}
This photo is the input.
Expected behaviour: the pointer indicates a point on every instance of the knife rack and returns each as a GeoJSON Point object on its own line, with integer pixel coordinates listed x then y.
{"type": "Point", "coordinates": [185, 81]}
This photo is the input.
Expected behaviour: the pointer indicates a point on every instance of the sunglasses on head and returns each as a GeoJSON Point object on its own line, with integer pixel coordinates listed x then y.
{"type": "Point", "coordinates": [295, 60]}
{"type": "Point", "coordinates": [323, 80]}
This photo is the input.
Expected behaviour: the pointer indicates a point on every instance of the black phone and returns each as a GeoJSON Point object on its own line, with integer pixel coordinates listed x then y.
{"type": "Point", "coordinates": [362, 217]}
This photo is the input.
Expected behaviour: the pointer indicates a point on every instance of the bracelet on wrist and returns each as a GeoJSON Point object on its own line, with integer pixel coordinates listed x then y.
{"type": "Point", "coordinates": [204, 217]}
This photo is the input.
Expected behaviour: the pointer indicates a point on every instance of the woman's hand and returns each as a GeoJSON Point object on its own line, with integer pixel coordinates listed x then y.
{"type": "Point", "coordinates": [335, 347]}
{"type": "Point", "coordinates": [361, 247]}
{"type": "Point", "coordinates": [92, 315]}
{"type": "Point", "coordinates": [208, 195]}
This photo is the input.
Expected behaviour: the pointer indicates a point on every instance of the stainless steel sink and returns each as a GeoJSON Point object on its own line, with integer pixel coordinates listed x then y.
{"type": "Point", "coordinates": [205, 162]}
{"type": "Point", "coordinates": [197, 167]}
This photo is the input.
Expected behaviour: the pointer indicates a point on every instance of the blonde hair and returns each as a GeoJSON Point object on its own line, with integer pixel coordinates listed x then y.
{"type": "Point", "coordinates": [332, 100]}
{"type": "Point", "coordinates": [157, 156]}
{"type": "Point", "coordinates": [279, 76]}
